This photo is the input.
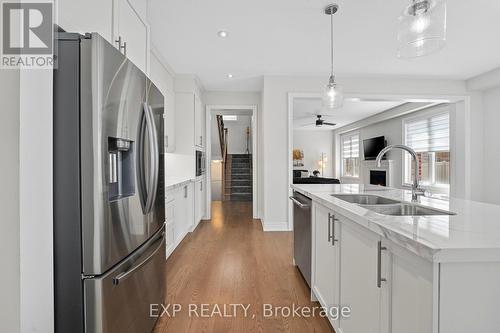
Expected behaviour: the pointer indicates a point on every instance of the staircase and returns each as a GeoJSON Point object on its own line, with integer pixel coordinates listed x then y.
{"type": "Point", "coordinates": [238, 181]}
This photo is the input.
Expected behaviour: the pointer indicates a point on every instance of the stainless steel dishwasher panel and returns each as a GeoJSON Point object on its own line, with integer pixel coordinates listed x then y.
{"type": "Point", "coordinates": [302, 234]}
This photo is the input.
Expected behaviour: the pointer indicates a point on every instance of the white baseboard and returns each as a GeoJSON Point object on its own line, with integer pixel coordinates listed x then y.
{"type": "Point", "coordinates": [274, 226]}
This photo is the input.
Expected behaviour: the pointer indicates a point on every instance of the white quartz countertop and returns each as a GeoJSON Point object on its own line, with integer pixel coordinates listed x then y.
{"type": "Point", "coordinates": [171, 182]}
{"type": "Point", "coordinates": [473, 234]}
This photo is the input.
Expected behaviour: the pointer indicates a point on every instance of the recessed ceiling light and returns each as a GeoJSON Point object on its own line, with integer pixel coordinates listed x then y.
{"type": "Point", "coordinates": [229, 76]}
{"type": "Point", "coordinates": [222, 33]}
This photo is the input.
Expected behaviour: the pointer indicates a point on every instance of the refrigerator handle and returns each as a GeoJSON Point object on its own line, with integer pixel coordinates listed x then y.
{"type": "Point", "coordinates": [154, 158]}
{"type": "Point", "coordinates": [124, 275]}
{"type": "Point", "coordinates": [140, 159]}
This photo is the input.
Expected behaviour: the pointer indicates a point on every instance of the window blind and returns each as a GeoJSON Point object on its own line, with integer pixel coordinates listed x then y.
{"type": "Point", "coordinates": [431, 134]}
{"type": "Point", "coordinates": [350, 146]}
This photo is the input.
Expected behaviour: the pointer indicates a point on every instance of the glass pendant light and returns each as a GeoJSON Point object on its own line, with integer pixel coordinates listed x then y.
{"type": "Point", "coordinates": [422, 28]}
{"type": "Point", "coordinates": [332, 95]}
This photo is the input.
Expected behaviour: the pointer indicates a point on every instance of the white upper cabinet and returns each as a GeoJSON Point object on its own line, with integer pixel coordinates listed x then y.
{"type": "Point", "coordinates": [121, 22]}
{"type": "Point", "coordinates": [199, 123]}
{"type": "Point", "coordinates": [184, 119]}
{"type": "Point", "coordinates": [189, 115]}
{"type": "Point", "coordinates": [82, 17]}
{"type": "Point", "coordinates": [163, 79]}
{"type": "Point", "coordinates": [131, 33]}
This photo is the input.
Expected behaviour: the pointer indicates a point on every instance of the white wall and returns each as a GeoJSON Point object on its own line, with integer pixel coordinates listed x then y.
{"type": "Point", "coordinates": [275, 129]}
{"type": "Point", "coordinates": [216, 180]}
{"type": "Point", "coordinates": [491, 107]}
{"type": "Point", "coordinates": [237, 135]}
{"type": "Point", "coordinates": [236, 130]}
{"type": "Point", "coordinates": [313, 143]}
{"type": "Point", "coordinates": [36, 216]}
{"type": "Point", "coordinates": [9, 201]}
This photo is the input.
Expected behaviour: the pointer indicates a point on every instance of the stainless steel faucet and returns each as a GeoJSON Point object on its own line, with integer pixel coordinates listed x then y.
{"type": "Point", "coordinates": [416, 191]}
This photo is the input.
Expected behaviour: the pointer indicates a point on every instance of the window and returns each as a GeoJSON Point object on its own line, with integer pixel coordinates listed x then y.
{"type": "Point", "coordinates": [430, 138]}
{"type": "Point", "coordinates": [229, 117]}
{"type": "Point", "coordinates": [350, 155]}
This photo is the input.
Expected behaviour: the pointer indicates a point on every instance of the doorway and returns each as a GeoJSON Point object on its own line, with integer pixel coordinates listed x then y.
{"type": "Point", "coordinates": [231, 154]}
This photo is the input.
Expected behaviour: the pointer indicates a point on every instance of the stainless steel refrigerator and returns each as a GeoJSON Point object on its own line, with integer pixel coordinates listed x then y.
{"type": "Point", "coordinates": [109, 234]}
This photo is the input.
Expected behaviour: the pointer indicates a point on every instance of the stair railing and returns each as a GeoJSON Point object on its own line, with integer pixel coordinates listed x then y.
{"type": "Point", "coordinates": [223, 148]}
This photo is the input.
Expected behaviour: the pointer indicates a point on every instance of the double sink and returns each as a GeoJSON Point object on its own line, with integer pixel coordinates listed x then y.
{"type": "Point", "coordinates": [386, 206]}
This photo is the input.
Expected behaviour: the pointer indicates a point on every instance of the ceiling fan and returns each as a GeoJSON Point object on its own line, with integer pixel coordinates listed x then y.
{"type": "Point", "coordinates": [320, 122]}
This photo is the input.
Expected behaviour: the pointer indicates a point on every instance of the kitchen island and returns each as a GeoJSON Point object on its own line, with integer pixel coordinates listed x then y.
{"type": "Point", "coordinates": [423, 273]}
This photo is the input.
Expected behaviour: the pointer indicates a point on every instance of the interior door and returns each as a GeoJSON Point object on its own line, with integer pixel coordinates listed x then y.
{"type": "Point", "coordinates": [112, 104]}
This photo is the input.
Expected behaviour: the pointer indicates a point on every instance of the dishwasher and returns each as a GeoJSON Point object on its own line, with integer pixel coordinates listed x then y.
{"type": "Point", "coordinates": [302, 234]}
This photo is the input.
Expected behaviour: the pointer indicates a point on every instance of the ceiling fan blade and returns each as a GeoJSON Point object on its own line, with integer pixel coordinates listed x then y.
{"type": "Point", "coordinates": [329, 124]}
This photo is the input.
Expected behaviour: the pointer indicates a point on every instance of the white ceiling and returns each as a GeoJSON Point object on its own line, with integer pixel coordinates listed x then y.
{"type": "Point", "coordinates": [291, 37]}
{"type": "Point", "coordinates": [306, 109]}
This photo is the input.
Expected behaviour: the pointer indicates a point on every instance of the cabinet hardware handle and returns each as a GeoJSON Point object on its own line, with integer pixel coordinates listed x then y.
{"type": "Point", "coordinates": [124, 48]}
{"type": "Point", "coordinates": [380, 279]}
{"type": "Point", "coordinates": [166, 139]}
{"type": "Point", "coordinates": [331, 228]}
{"type": "Point", "coordinates": [185, 191]}
{"type": "Point", "coordinates": [119, 42]}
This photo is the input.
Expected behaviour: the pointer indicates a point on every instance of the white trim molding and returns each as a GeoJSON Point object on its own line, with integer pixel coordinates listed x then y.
{"type": "Point", "coordinates": [275, 226]}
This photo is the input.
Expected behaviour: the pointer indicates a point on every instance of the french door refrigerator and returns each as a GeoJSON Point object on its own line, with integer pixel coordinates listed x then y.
{"type": "Point", "coordinates": [109, 234]}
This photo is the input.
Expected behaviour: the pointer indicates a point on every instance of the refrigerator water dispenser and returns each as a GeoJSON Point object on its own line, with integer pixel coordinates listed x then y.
{"type": "Point", "coordinates": [121, 168]}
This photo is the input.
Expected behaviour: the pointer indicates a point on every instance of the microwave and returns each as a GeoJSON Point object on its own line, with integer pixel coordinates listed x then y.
{"type": "Point", "coordinates": [200, 163]}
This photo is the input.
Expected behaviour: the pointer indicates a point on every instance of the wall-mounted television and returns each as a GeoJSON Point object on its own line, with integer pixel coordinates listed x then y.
{"type": "Point", "coordinates": [373, 146]}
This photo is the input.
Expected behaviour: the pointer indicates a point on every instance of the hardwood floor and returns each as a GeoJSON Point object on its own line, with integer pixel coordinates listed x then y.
{"type": "Point", "coordinates": [230, 260]}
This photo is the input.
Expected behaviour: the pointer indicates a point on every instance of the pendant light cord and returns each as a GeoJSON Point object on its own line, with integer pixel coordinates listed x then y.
{"type": "Point", "coordinates": [331, 43]}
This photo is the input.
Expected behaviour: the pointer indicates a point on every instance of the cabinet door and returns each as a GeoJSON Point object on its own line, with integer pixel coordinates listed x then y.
{"type": "Point", "coordinates": [134, 31]}
{"type": "Point", "coordinates": [358, 279]}
{"type": "Point", "coordinates": [411, 283]}
{"type": "Point", "coordinates": [160, 77]}
{"type": "Point", "coordinates": [326, 242]}
{"type": "Point", "coordinates": [82, 16]}
{"type": "Point", "coordinates": [180, 215]}
{"type": "Point", "coordinates": [203, 208]}
{"type": "Point", "coordinates": [184, 119]}
{"type": "Point", "coordinates": [190, 206]}
{"type": "Point", "coordinates": [198, 122]}
{"type": "Point", "coordinates": [170, 122]}
{"type": "Point", "coordinates": [197, 199]}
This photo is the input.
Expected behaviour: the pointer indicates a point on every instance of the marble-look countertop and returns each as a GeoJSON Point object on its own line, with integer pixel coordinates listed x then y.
{"type": "Point", "coordinates": [172, 182]}
{"type": "Point", "coordinates": [473, 234]}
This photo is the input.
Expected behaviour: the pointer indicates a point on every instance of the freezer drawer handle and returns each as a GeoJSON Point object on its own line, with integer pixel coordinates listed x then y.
{"type": "Point", "coordinates": [124, 275]}
{"type": "Point", "coordinates": [298, 203]}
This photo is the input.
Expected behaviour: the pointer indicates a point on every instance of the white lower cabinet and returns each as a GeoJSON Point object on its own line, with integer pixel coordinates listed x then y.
{"type": "Point", "coordinates": [387, 288]}
{"type": "Point", "coordinates": [179, 215]}
{"type": "Point", "coordinates": [326, 240]}
{"type": "Point", "coordinates": [200, 199]}
{"type": "Point", "coordinates": [361, 282]}
{"type": "Point", "coordinates": [411, 294]}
